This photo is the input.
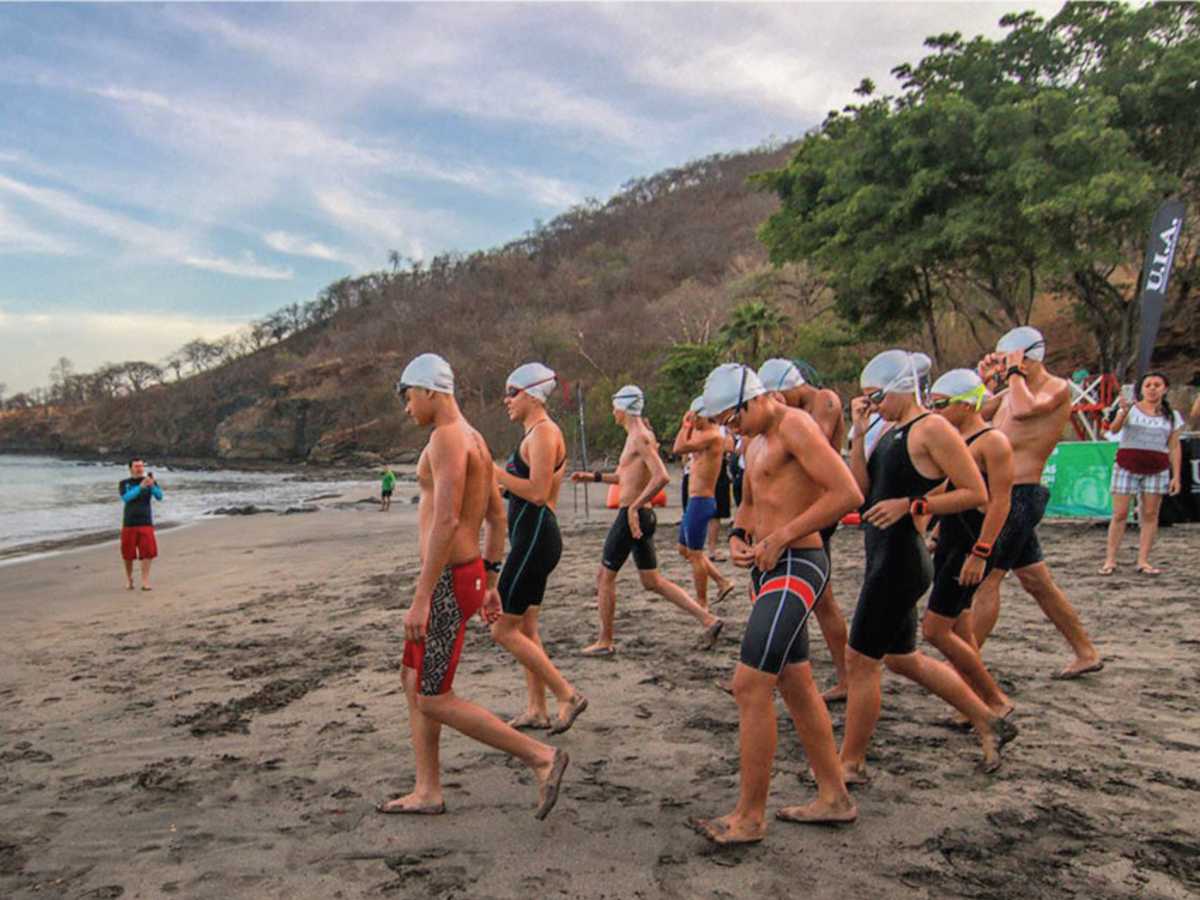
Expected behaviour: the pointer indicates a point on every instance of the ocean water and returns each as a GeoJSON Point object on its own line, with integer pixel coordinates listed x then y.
{"type": "Point", "coordinates": [47, 500]}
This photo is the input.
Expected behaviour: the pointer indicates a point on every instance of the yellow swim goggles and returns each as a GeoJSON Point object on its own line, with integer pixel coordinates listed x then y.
{"type": "Point", "coordinates": [975, 397]}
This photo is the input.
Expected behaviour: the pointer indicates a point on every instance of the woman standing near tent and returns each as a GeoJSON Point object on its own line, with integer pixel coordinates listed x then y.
{"type": "Point", "coordinates": [1148, 462]}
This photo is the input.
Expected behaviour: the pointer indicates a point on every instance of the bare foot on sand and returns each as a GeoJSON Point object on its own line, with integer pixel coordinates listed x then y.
{"type": "Point", "coordinates": [530, 719]}
{"type": "Point", "coordinates": [835, 693]}
{"type": "Point", "coordinates": [568, 713]}
{"type": "Point", "coordinates": [412, 805]}
{"type": "Point", "coordinates": [1079, 668]}
{"type": "Point", "coordinates": [598, 649]}
{"type": "Point", "coordinates": [708, 640]}
{"type": "Point", "coordinates": [819, 812]}
{"type": "Point", "coordinates": [855, 774]}
{"type": "Point", "coordinates": [999, 733]}
{"type": "Point", "coordinates": [729, 830]}
{"type": "Point", "coordinates": [549, 776]}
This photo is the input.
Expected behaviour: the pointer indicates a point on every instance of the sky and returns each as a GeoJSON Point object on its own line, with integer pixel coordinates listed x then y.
{"type": "Point", "coordinates": [175, 171]}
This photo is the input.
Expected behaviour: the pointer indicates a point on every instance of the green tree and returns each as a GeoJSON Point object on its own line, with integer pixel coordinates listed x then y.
{"type": "Point", "coordinates": [1003, 170]}
{"type": "Point", "coordinates": [750, 326]}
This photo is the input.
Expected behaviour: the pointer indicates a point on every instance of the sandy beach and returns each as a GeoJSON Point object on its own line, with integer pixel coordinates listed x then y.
{"type": "Point", "coordinates": [227, 735]}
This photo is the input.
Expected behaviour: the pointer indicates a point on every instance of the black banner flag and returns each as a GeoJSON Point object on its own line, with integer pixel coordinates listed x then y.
{"type": "Point", "coordinates": [1160, 253]}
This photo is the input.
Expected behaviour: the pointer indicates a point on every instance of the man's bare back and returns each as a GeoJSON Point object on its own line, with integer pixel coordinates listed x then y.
{"type": "Point", "coordinates": [632, 472]}
{"type": "Point", "coordinates": [456, 445]}
{"type": "Point", "coordinates": [825, 406]}
{"type": "Point", "coordinates": [706, 463]}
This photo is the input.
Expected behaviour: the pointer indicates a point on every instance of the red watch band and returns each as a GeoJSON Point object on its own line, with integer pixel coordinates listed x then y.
{"type": "Point", "coordinates": [982, 550]}
{"type": "Point", "coordinates": [918, 507]}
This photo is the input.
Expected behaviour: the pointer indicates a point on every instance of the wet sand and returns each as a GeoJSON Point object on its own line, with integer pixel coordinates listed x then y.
{"type": "Point", "coordinates": [227, 735]}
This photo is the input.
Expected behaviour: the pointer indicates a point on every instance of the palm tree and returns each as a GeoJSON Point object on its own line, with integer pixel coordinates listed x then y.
{"type": "Point", "coordinates": [749, 324]}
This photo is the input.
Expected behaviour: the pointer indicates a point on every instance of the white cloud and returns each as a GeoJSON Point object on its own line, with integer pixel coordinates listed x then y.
{"type": "Point", "coordinates": [246, 267]}
{"type": "Point", "coordinates": [381, 224]}
{"type": "Point", "coordinates": [19, 237]}
{"type": "Point", "coordinates": [137, 237]}
{"type": "Point", "coordinates": [297, 245]}
{"type": "Point", "coordinates": [31, 341]}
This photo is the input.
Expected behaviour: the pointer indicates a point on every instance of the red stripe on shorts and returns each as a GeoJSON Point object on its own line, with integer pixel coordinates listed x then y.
{"type": "Point", "coordinates": [790, 584]}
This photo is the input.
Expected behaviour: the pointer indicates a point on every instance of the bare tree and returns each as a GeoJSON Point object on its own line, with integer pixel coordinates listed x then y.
{"type": "Point", "coordinates": [141, 375]}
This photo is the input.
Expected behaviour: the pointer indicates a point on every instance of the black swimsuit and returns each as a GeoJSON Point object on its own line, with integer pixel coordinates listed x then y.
{"type": "Point", "coordinates": [898, 568]}
{"type": "Point", "coordinates": [535, 545]}
{"type": "Point", "coordinates": [959, 532]}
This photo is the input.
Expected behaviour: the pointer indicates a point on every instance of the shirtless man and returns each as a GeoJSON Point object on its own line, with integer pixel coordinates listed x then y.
{"type": "Point", "coordinates": [784, 380]}
{"type": "Point", "coordinates": [795, 484]}
{"type": "Point", "coordinates": [963, 541]}
{"type": "Point", "coordinates": [1031, 413]}
{"type": "Point", "coordinates": [458, 495]}
{"type": "Point", "coordinates": [640, 474]}
{"type": "Point", "coordinates": [704, 441]}
{"type": "Point", "coordinates": [916, 455]}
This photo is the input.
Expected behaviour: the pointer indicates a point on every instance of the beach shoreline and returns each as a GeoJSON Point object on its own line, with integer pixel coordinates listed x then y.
{"type": "Point", "coordinates": [227, 734]}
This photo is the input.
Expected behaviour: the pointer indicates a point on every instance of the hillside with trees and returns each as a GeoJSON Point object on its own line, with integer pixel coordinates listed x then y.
{"type": "Point", "coordinates": [1009, 181]}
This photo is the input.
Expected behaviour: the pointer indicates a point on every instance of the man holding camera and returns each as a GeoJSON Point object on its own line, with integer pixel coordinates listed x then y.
{"type": "Point", "coordinates": [137, 524]}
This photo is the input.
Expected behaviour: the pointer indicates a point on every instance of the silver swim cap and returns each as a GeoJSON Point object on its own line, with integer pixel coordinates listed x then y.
{"type": "Point", "coordinates": [428, 371]}
{"type": "Point", "coordinates": [535, 379]}
{"type": "Point", "coordinates": [961, 386]}
{"type": "Point", "coordinates": [629, 399]}
{"type": "Point", "coordinates": [896, 372]}
{"type": "Point", "coordinates": [729, 386]}
{"type": "Point", "coordinates": [1024, 338]}
{"type": "Point", "coordinates": [697, 406]}
{"type": "Point", "coordinates": [780, 375]}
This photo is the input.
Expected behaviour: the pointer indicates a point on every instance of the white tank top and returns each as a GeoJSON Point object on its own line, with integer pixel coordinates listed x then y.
{"type": "Point", "coordinates": [1143, 432]}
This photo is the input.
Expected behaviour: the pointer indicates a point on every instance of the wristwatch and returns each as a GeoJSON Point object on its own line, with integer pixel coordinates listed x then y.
{"type": "Point", "coordinates": [918, 507]}
{"type": "Point", "coordinates": [492, 566]}
{"type": "Point", "coordinates": [1014, 370]}
{"type": "Point", "coordinates": [982, 550]}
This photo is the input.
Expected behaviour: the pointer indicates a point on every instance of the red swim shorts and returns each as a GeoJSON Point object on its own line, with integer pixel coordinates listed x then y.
{"type": "Point", "coordinates": [457, 596]}
{"type": "Point", "coordinates": [137, 542]}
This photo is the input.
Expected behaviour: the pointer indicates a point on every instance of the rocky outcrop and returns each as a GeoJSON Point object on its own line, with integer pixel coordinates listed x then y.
{"type": "Point", "coordinates": [270, 429]}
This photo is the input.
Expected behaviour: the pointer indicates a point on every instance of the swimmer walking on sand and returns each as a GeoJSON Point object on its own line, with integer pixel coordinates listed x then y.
{"type": "Point", "coordinates": [916, 455]}
{"type": "Point", "coordinates": [963, 541]}
{"type": "Point", "coordinates": [532, 478]}
{"type": "Point", "coordinates": [458, 496]}
{"type": "Point", "coordinates": [794, 485]}
{"type": "Point", "coordinates": [640, 476]}
{"type": "Point", "coordinates": [1032, 412]}
{"type": "Point", "coordinates": [784, 380]}
{"type": "Point", "coordinates": [706, 444]}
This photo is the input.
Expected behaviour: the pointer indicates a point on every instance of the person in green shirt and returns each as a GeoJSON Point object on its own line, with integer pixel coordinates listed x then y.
{"type": "Point", "coordinates": [388, 485]}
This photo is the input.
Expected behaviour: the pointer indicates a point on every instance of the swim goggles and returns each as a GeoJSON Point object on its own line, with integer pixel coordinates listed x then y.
{"type": "Point", "coordinates": [975, 397]}
{"type": "Point", "coordinates": [512, 390]}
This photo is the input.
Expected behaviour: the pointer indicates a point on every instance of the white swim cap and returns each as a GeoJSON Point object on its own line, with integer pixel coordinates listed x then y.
{"type": "Point", "coordinates": [535, 379]}
{"type": "Point", "coordinates": [629, 399]}
{"type": "Point", "coordinates": [780, 375]}
{"type": "Point", "coordinates": [1024, 338]}
{"type": "Point", "coordinates": [961, 386]}
{"type": "Point", "coordinates": [428, 371]}
{"type": "Point", "coordinates": [728, 386]}
{"type": "Point", "coordinates": [896, 372]}
{"type": "Point", "coordinates": [697, 406]}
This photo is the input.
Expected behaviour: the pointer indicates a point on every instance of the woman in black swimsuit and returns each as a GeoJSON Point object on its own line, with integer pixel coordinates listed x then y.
{"type": "Point", "coordinates": [531, 479]}
{"type": "Point", "coordinates": [917, 454]}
